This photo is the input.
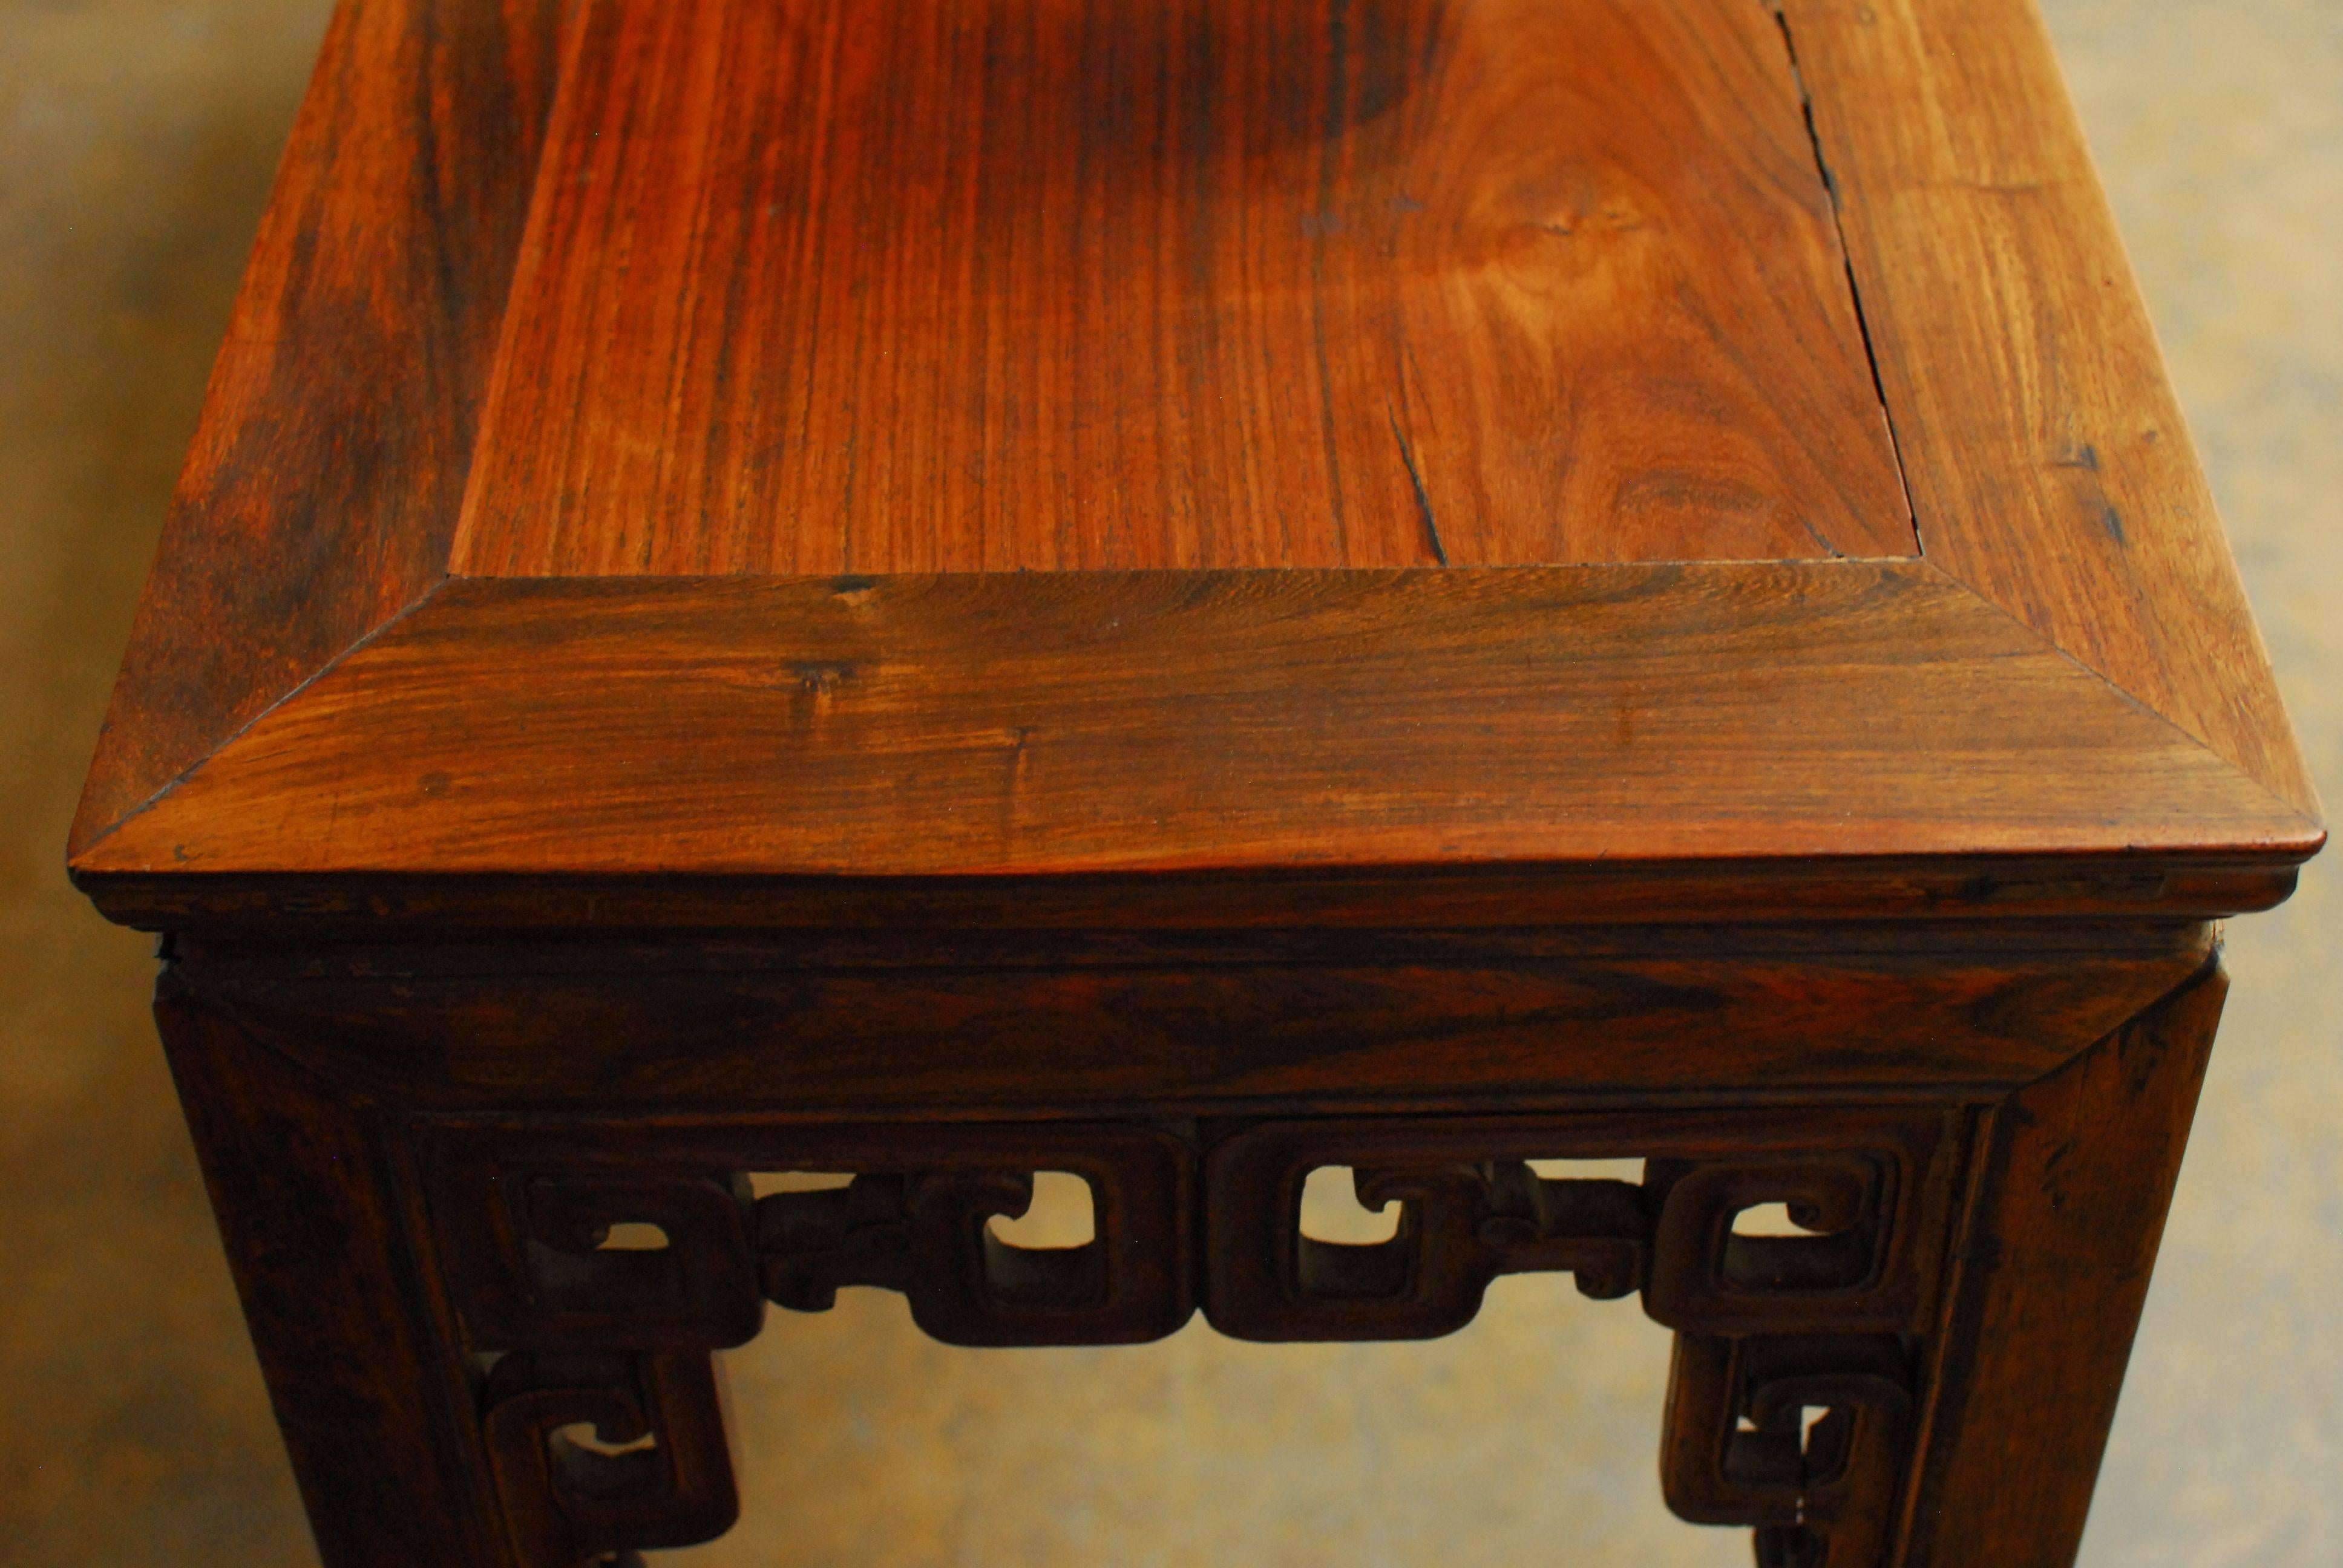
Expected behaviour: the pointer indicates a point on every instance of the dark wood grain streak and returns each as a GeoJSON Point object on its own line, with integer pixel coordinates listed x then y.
{"type": "Point", "coordinates": [365, 1374]}
{"type": "Point", "coordinates": [1204, 1038]}
{"type": "Point", "coordinates": [2048, 462]}
{"type": "Point", "coordinates": [322, 491]}
{"type": "Point", "coordinates": [1177, 722]}
{"type": "Point", "coordinates": [2052, 1275]}
{"type": "Point", "coordinates": [926, 285]}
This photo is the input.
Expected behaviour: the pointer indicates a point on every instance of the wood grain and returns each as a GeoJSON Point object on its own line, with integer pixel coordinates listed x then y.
{"type": "Point", "coordinates": [2048, 462]}
{"type": "Point", "coordinates": [1089, 723]}
{"type": "Point", "coordinates": [364, 1368]}
{"type": "Point", "coordinates": [323, 488]}
{"type": "Point", "coordinates": [2052, 1275]}
{"type": "Point", "coordinates": [1462, 1024]}
{"type": "Point", "coordinates": [913, 286]}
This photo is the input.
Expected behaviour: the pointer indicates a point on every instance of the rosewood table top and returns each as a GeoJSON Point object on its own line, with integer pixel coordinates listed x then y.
{"type": "Point", "coordinates": [915, 460]}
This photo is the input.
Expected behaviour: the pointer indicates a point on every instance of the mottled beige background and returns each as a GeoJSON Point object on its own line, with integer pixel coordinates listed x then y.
{"type": "Point", "coordinates": [137, 138]}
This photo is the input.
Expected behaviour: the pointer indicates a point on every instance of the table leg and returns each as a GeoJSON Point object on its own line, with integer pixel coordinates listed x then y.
{"type": "Point", "coordinates": [319, 1222]}
{"type": "Point", "coordinates": [2052, 1271]}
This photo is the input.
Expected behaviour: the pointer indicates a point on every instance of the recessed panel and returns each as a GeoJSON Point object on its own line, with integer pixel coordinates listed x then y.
{"type": "Point", "coordinates": [996, 284]}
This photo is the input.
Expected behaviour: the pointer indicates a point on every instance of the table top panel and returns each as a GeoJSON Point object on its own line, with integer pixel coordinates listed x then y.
{"type": "Point", "coordinates": [924, 285]}
{"type": "Point", "coordinates": [584, 344]}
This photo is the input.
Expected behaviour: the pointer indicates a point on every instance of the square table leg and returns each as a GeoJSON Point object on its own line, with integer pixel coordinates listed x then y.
{"type": "Point", "coordinates": [320, 1218]}
{"type": "Point", "coordinates": [2052, 1272]}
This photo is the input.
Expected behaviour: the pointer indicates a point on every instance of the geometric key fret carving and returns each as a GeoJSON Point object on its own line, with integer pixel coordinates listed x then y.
{"type": "Point", "coordinates": [1738, 1447]}
{"type": "Point", "coordinates": [529, 1249]}
{"type": "Point", "coordinates": [596, 1458]}
{"type": "Point", "coordinates": [603, 1422]}
{"type": "Point", "coordinates": [526, 1222]}
{"type": "Point", "coordinates": [928, 1234]}
{"type": "Point", "coordinates": [608, 1273]}
{"type": "Point", "coordinates": [1869, 1187]}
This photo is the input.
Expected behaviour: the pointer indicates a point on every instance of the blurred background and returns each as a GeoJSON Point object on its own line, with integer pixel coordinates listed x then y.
{"type": "Point", "coordinates": [137, 138]}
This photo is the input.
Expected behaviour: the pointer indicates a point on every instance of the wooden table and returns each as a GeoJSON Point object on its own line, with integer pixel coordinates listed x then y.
{"type": "Point", "coordinates": [1187, 593]}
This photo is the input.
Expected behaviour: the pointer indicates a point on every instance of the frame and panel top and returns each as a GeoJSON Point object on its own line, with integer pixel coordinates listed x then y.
{"type": "Point", "coordinates": [673, 458]}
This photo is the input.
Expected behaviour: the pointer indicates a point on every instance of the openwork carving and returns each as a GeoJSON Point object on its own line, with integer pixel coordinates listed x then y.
{"type": "Point", "coordinates": [1737, 1449]}
{"type": "Point", "coordinates": [525, 1223]}
{"type": "Point", "coordinates": [1472, 1208]}
{"type": "Point", "coordinates": [599, 1456]}
{"type": "Point", "coordinates": [604, 1427]}
{"type": "Point", "coordinates": [529, 1248]}
{"type": "Point", "coordinates": [616, 1338]}
{"type": "Point", "coordinates": [928, 1234]}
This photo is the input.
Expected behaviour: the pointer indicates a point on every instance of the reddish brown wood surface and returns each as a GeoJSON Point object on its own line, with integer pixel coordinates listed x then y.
{"type": "Point", "coordinates": [315, 1168]}
{"type": "Point", "coordinates": [2049, 465]}
{"type": "Point", "coordinates": [1625, 189]}
{"type": "Point", "coordinates": [1342, 904]}
{"type": "Point", "coordinates": [999, 725]}
{"type": "Point", "coordinates": [2051, 1277]}
{"type": "Point", "coordinates": [318, 1215]}
{"type": "Point", "coordinates": [915, 285]}
{"type": "Point", "coordinates": [1779, 1325]}
{"type": "Point", "coordinates": [323, 487]}
{"type": "Point", "coordinates": [1419, 1019]}
{"type": "Point", "coordinates": [1467, 1219]}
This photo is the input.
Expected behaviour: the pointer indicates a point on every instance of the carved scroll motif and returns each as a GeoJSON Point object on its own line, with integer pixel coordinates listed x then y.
{"type": "Point", "coordinates": [595, 1457]}
{"type": "Point", "coordinates": [1770, 1326]}
{"type": "Point", "coordinates": [616, 1339]}
{"type": "Point", "coordinates": [604, 1428]}
{"type": "Point", "coordinates": [1736, 1447]}
{"type": "Point", "coordinates": [1467, 1217]}
{"type": "Point", "coordinates": [526, 1229]}
{"type": "Point", "coordinates": [529, 1246]}
{"type": "Point", "coordinates": [928, 1234]}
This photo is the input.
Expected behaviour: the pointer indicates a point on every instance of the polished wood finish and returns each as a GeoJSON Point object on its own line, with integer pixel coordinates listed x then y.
{"type": "Point", "coordinates": [614, 717]}
{"type": "Point", "coordinates": [2048, 462]}
{"type": "Point", "coordinates": [1416, 1020]}
{"type": "Point", "coordinates": [321, 494]}
{"type": "Point", "coordinates": [1614, 720]}
{"type": "Point", "coordinates": [1873, 1184]}
{"type": "Point", "coordinates": [1964, 1247]}
{"type": "Point", "coordinates": [1043, 285]}
{"type": "Point", "coordinates": [2052, 1270]}
{"type": "Point", "coordinates": [992, 726]}
{"type": "Point", "coordinates": [522, 1211]}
